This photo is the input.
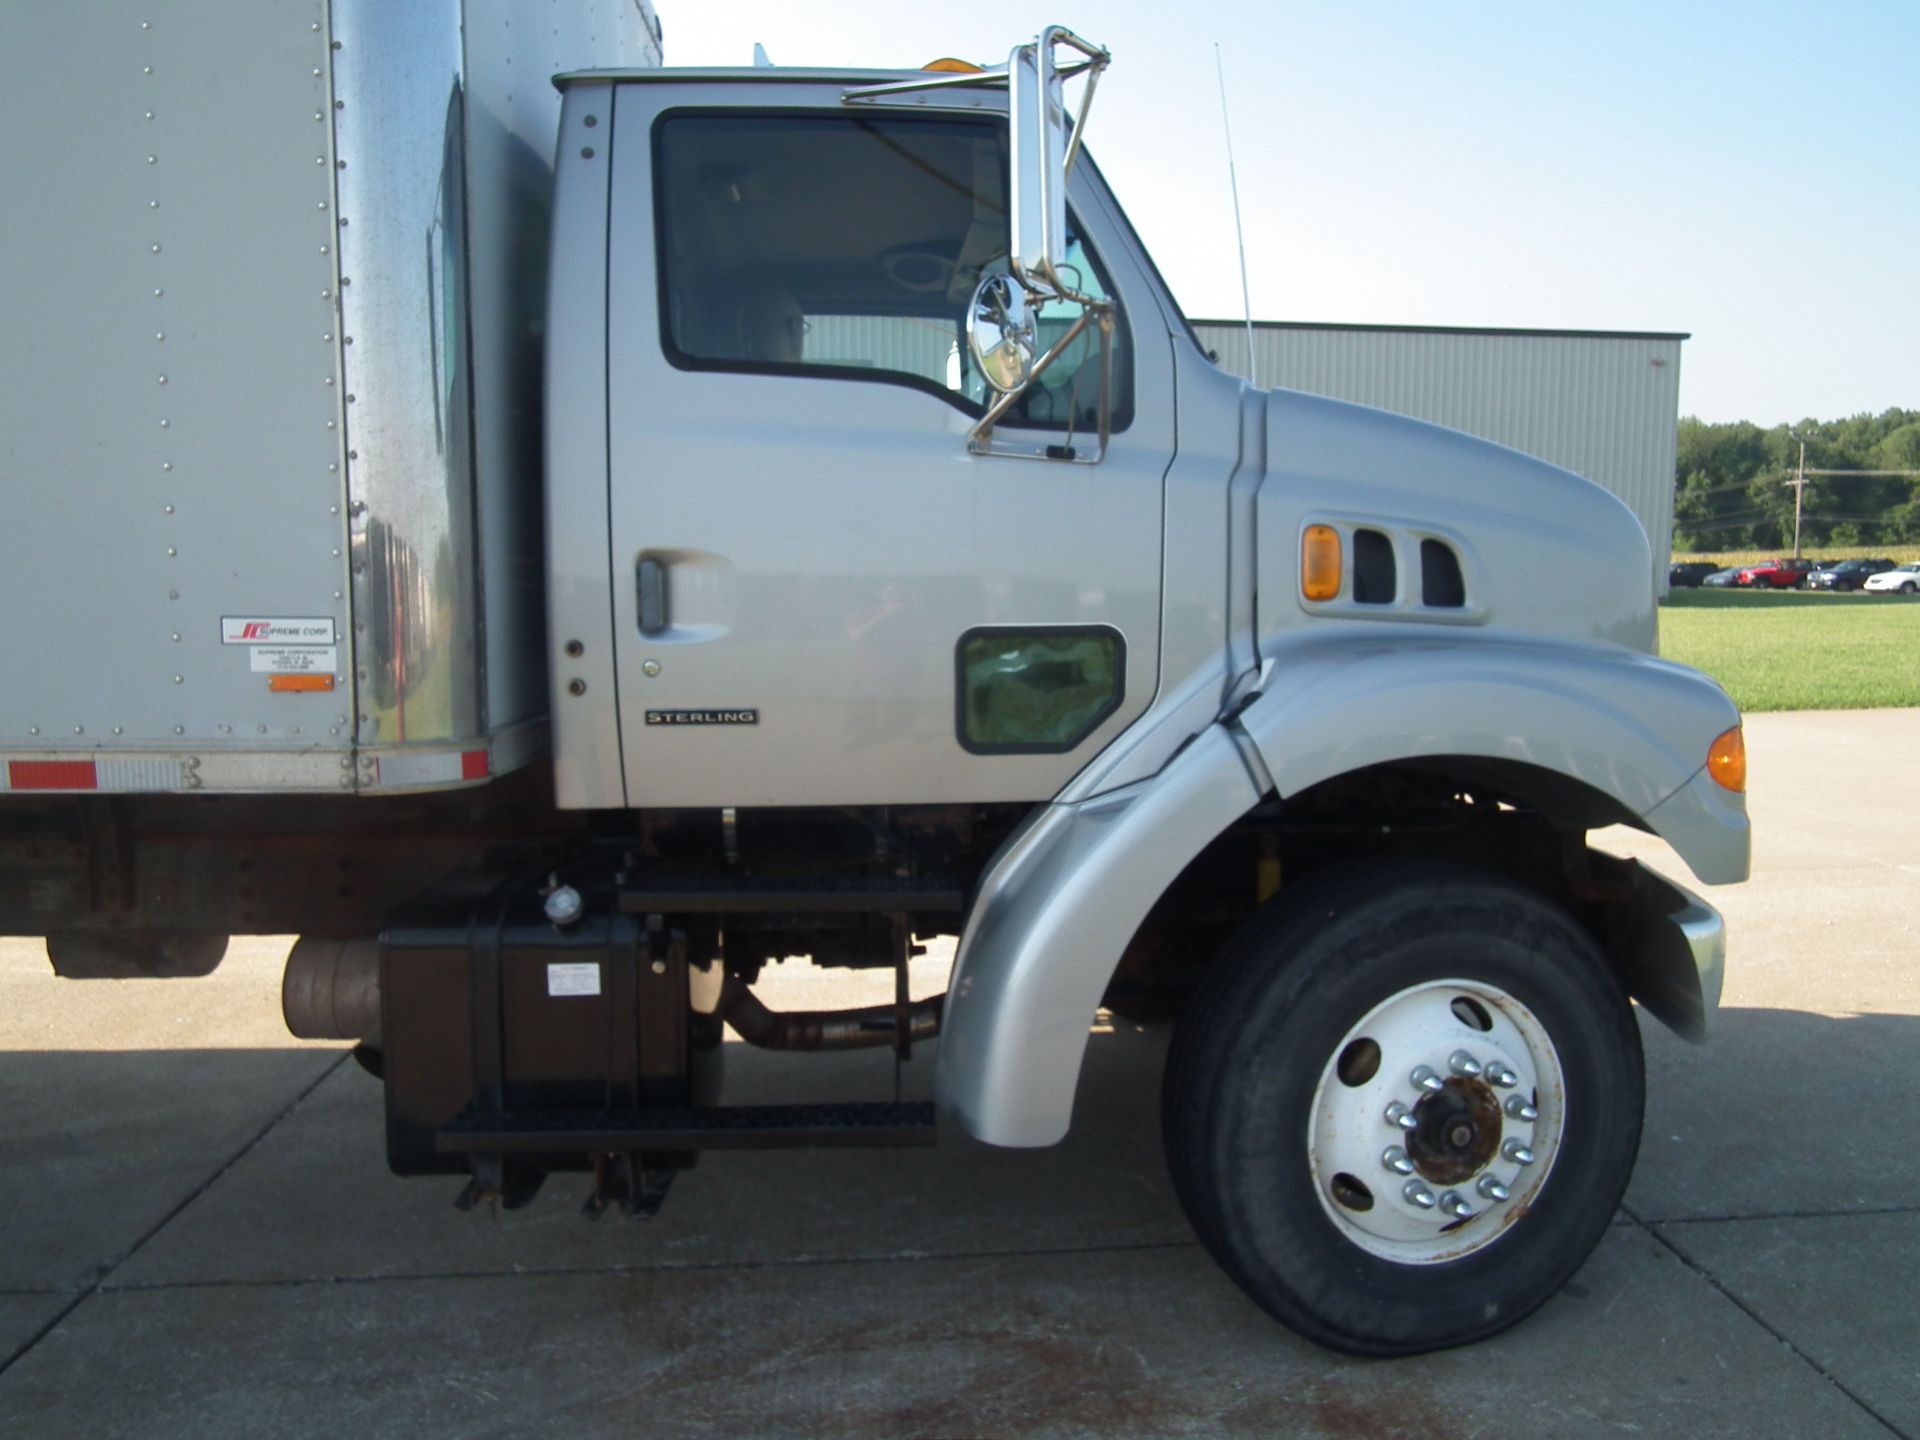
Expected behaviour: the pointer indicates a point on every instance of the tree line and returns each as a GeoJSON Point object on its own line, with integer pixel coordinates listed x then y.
{"type": "Point", "coordinates": [1729, 490]}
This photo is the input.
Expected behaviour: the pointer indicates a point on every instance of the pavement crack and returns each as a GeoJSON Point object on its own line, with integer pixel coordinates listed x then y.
{"type": "Point", "coordinates": [696, 1267]}
{"type": "Point", "coordinates": [105, 1271]}
{"type": "Point", "coordinates": [1852, 1212]}
{"type": "Point", "coordinates": [1653, 1231]}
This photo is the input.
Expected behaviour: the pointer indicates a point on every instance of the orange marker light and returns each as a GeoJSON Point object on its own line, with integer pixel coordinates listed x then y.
{"type": "Point", "coordinates": [947, 65]}
{"type": "Point", "coordinates": [1727, 760]}
{"type": "Point", "coordinates": [1320, 563]}
{"type": "Point", "coordinates": [296, 683]}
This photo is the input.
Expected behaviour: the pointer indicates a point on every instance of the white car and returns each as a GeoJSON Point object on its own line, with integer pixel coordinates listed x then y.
{"type": "Point", "coordinates": [1903, 578]}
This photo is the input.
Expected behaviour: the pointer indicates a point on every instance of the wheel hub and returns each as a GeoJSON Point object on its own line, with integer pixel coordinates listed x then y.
{"type": "Point", "coordinates": [1456, 1131]}
{"type": "Point", "coordinates": [1436, 1121]}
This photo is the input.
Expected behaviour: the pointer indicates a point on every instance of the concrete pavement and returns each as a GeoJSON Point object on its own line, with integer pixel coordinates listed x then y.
{"type": "Point", "coordinates": [198, 1233]}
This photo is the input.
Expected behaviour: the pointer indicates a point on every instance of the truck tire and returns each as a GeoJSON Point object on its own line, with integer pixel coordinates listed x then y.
{"type": "Point", "coordinates": [1404, 1106]}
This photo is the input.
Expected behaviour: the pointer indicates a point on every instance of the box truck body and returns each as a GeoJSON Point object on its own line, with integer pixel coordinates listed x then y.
{"type": "Point", "coordinates": [271, 413]}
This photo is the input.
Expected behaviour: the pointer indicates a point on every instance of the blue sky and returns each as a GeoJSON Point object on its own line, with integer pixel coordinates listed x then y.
{"type": "Point", "coordinates": [1746, 173]}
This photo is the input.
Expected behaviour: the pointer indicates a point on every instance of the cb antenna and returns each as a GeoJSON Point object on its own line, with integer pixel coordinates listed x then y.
{"type": "Point", "coordinates": [1239, 235]}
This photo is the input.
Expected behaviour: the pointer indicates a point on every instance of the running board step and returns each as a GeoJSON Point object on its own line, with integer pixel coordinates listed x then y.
{"type": "Point", "coordinates": [727, 1127]}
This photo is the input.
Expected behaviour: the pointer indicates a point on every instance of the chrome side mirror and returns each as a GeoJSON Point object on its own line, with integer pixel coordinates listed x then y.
{"type": "Point", "coordinates": [1001, 333]}
{"type": "Point", "coordinates": [1045, 140]}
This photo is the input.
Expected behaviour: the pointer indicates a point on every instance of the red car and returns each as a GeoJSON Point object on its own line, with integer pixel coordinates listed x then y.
{"type": "Point", "coordinates": [1779, 574]}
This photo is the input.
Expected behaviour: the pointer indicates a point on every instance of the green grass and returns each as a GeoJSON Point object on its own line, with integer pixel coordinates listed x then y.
{"type": "Point", "coordinates": [1798, 650]}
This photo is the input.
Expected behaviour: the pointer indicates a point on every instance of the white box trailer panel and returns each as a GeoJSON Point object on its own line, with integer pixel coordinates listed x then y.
{"type": "Point", "coordinates": [269, 420]}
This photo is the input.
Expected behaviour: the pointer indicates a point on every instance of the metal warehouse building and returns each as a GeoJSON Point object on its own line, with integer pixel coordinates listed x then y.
{"type": "Point", "coordinates": [1603, 404]}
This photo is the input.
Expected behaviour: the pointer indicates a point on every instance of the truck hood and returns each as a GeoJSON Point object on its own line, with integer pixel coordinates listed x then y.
{"type": "Point", "coordinates": [1541, 552]}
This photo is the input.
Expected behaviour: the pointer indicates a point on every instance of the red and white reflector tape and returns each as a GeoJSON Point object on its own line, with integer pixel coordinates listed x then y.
{"type": "Point", "coordinates": [120, 774]}
{"type": "Point", "coordinates": [443, 767]}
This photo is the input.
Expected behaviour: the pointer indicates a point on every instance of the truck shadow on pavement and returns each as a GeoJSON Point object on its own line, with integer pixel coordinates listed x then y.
{"type": "Point", "coordinates": [242, 1196]}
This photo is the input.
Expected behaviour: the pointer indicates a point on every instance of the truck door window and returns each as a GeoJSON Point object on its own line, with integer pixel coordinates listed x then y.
{"type": "Point", "coordinates": [848, 245]}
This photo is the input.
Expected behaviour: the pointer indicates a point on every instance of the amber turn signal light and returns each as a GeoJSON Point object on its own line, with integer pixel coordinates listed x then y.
{"type": "Point", "coordinates": [1727, 760]}
{"type": "Point", "coordinates": [1320, 563]}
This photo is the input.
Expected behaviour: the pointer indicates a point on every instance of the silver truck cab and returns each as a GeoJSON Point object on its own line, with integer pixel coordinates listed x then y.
{"type": "Point", "coordinates": [815, 540]}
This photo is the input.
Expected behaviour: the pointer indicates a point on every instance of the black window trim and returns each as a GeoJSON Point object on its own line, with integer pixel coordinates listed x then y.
{"type": "Point", "coordinates": [1122, 417]}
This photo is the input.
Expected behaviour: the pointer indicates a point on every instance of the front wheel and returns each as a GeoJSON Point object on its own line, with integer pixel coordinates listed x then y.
{"type": "Point", "coordinates": [1404, 1107]}
{"type": "Point", "coordinates": [1907, 588]}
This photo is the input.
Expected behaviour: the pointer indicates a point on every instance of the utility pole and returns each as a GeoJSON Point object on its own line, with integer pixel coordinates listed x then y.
{"type": "Point", "coordinates": [1799, 483]}
{"type": "Point", "coordinates": [1800, 480]}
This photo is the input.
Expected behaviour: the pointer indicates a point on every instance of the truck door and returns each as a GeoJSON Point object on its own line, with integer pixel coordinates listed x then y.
{"type": "Point", "coordinates": [820, 597]}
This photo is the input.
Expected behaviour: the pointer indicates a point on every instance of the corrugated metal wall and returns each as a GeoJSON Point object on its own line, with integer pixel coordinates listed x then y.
{"type": "Point", "coordinates": [1605, 406]}
{"type": "Point", "coordinates": [919, 347]}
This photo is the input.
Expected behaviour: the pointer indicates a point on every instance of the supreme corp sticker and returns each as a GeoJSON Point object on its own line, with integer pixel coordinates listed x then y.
{"type": "Point", "coordinates": [281, 630]}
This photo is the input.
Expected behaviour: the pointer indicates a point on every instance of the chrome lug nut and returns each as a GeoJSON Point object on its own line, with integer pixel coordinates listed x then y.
{"type": "Point", "coordinates": [1461, 1063]}
{"type": "Point", "coordinates": [1418, 1195]}
{"type": "Point", "coordinates": [1492, 1189]}
{"type": "Point", "coordinates": [1452, 1204]}
{"type": "Point", "coordinates": [1517, 1153]}
{"type": "Point", "coordinates": [1399, 1114]}
{"type": "Point", "coordinates": [1425, 1078]}
{"type": "Point", "coordinates": [1520, 1110]}
{"type": "Point", "coordinates": [1501, 1075]}
{"type": "Point", "coordinates": [1395, 1159]}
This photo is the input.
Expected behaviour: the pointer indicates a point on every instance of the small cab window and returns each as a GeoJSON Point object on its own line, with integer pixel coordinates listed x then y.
{"type": "Point", "coordinates": [1036, 692]}
{"type": "Point", "coordinates": [850, 245]}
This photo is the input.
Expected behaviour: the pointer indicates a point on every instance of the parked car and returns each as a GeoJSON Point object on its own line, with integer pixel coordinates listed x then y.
{"type": "Point", "coordinates": [1846, 574]}
{"type": "Point", "coordinates": [1781, 574]}
{"type": "Point", "coordinates": [1723, 578]}
{"type": "Point", "coordinates": [1903, 578]}
{"type": "Point", "coordinates": [1690, 572]}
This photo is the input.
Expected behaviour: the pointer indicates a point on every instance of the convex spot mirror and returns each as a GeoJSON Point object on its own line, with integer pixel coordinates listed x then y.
{"type": "Point", "coordinates": [1001, 333]}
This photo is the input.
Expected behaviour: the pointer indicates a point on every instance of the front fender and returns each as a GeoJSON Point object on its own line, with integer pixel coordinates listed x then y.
{"type": "Point", "coordinates": [1056, 908]}
{"type": "Point", "coordinates": [1067, 892]}
{"type": "Point", "coordinates": [1634, 728]}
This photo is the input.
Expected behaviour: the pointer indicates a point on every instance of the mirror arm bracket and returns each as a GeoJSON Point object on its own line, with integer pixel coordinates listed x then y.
{"type": "Point", "coordinates": [992, 77]}
{"type": "Point", "coordinates": [1097, 60]}
{"type": "Point", "coordinates": [1098, 313]}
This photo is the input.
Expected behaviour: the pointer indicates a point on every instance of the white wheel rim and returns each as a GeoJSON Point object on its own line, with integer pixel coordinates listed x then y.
{"type": "Point", "coordinates": [1421, 1175]}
